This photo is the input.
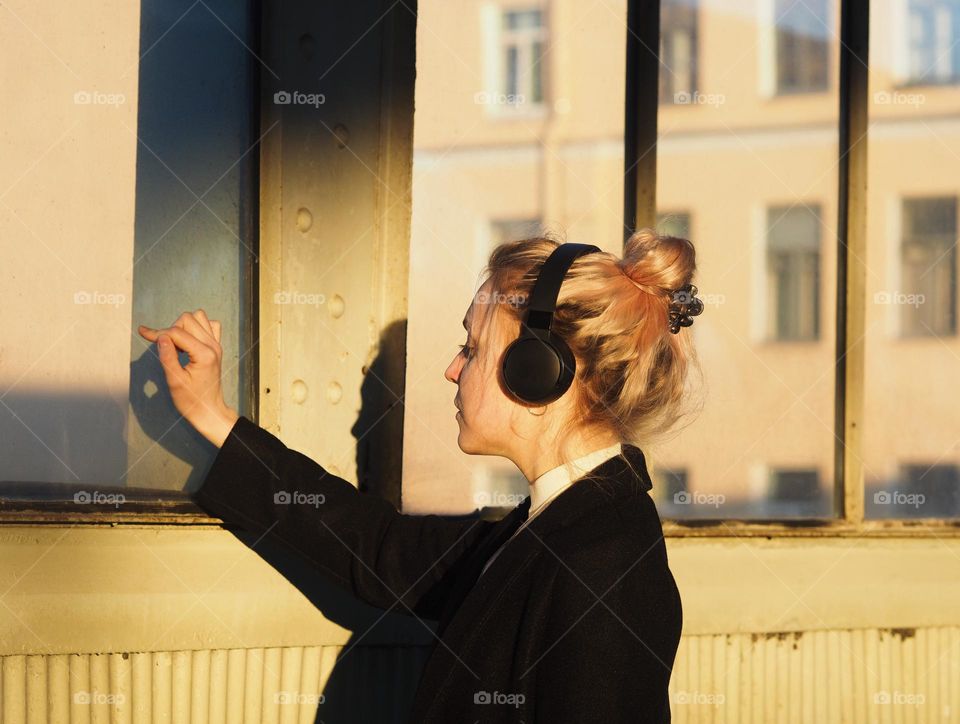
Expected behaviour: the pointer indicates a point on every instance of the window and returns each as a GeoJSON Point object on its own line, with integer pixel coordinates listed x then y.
{"type": "Point", "coordinates": [793, 269]}
{"type": "Point", "coordinates": [919, 491]}
{"type": "Point", "coordinates": [674, 224]}
{"type": "Point", "coordinates": [477, 184]}
{"type": "Point", "coordinates": [85, 402]}
{"type": "Point", "coordinates": [678, 50]}
{"type": "Point", "coordinates": [797, 493]}
{"type": "Point", "coordinates": [773, 266]}
{"type": "Point", "coordinates": [670, 486]}
{"type": "Point", "coordinates": [512, 229]}
{"type": "Point", "coordinates": [929, 267]}
{"type": "Point", "coordinates": [802, 48]}
{"type": "Point", "coordinates": [521, 59]}
{"type": "Point", "coordinates": [932, 29]}
{"type": "Point", "coordinates": [911, 346]}
{"type": "Point", "coordinates": [739, 176]}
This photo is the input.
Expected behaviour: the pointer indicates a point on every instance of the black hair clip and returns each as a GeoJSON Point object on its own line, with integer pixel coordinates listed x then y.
{"type": "Point", "coordinates": [683, 306]}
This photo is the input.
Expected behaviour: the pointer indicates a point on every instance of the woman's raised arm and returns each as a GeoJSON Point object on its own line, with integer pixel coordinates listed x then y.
{"type": "Point", "coordinates": [359, 541]}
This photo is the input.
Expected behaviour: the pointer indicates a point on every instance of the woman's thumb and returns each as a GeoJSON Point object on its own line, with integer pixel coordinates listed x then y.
{"type": "Point", "coordinates": [165, 345]}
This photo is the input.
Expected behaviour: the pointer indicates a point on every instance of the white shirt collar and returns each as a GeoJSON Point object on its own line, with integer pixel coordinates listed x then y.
{"type": "Point", "coordinates": [556, 480]}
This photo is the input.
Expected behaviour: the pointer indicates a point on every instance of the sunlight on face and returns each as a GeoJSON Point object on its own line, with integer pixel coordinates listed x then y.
{"type": "Point", "coordinates": [489, 420]}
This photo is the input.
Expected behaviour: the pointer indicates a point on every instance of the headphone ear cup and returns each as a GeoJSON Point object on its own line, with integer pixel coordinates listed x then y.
{"type": "Point", "coordinates": [538, 370]}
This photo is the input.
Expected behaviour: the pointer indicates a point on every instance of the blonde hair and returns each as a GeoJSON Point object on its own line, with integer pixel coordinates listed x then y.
{"type": "Point", "coordinates": [613, 313]}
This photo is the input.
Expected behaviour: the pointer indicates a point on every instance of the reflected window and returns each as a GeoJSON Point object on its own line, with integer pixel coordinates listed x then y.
{"type": "Point", "coordinates": [522, 41]}
{"type": "Point", "coordinates": [801, 45]}
{"type": "Point", "coordinates": [793, 272]}
{"type": "Point", "coordinates": [933, 26]}
{"type": "Point", "coordinates": [678, 50]}
{"type": "Point", "coordinates": [929, 267]}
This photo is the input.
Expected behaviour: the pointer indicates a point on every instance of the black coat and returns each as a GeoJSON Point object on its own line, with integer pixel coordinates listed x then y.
{"type": "Point", "coordinates": [577, 620]}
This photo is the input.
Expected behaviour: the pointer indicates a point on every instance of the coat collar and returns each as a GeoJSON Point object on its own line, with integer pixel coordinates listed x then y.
{"type": "Point", "coordinates": [622, 475]}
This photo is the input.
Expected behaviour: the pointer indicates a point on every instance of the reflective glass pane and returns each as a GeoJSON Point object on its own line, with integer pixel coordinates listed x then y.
{"type": "Point", "coordinates": [489, 168]}
{"type": "Point", "coordinates": [911, 431]}
{"type": "Point", "coordinates": [747, 169]}
{"type": "Point", "coordinates": [120, 209]}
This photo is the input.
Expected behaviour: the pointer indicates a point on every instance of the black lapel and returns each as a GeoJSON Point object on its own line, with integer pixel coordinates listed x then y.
{"type": "Point", "coordinates": [624, 474]}
{"type": "Point", "coordinates": [473, 565]}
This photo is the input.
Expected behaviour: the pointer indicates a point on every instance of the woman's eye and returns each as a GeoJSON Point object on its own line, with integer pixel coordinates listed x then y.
{"type": "Point", "coordinates": [465, 350]}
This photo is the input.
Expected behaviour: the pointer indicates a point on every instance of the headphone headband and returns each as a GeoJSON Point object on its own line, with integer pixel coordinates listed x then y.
{"type": "Point", "coordinates": [543, 298]}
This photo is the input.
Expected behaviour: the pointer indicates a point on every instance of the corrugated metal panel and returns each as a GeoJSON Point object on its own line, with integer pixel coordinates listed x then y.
{"type": "Point", "coordinates": [872, 676]}
{"type": "Point", "coordinates": [236, 686]}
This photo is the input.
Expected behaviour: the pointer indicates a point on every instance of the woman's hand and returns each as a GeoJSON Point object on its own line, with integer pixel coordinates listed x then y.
{"type": "Point", "coordinates": [195, 389]}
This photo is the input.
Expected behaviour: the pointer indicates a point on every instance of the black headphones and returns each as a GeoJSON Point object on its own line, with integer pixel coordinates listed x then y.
{"type": "Point", "coordinates": [538, 366]}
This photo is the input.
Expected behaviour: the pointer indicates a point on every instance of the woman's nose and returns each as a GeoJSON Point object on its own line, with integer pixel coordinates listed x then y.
{"type": "Point", "coordinates": [453, 370]}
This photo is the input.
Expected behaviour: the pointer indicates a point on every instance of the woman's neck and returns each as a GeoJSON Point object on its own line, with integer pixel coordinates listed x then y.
{"type": "Point", "coordinates": [535, 461]}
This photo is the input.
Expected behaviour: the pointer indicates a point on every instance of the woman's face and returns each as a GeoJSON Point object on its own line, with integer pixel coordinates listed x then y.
{"type": "Point", "coordinates": [489, 420]}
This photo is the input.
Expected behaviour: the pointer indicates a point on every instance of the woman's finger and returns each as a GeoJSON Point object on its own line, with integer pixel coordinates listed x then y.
{"type": "Point", "coordinates": [192, 325]}
{"type": "Point", "coordinates": [201, 317]}
{"type": "Point", "coordinates": [215, 324]}
{"type": "Point", "coordinates": [195, 348]}
{"type": "Point", "coordinates": [147, 332]}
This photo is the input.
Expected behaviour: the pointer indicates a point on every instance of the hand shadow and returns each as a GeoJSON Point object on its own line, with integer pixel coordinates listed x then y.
{"type": "Point", "coordinates": [162, 424]}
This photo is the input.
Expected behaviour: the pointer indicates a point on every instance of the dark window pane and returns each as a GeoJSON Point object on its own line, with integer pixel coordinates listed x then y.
{"type": "Point", "coordinates": [801, 45]}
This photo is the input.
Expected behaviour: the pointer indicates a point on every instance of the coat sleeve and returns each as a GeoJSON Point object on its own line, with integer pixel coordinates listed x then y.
{"type": "Point", "coordinates": [358, 541]}
{"type": "Point", "coordinates": [609, 642]}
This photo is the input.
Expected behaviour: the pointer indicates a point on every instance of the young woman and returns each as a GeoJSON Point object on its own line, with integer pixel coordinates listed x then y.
{"type": "Point", "coordinates": [565, 610]}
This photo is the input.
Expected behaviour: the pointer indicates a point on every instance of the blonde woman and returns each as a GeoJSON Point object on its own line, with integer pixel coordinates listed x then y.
{"type": "Point", "coordinates": [565, 610]}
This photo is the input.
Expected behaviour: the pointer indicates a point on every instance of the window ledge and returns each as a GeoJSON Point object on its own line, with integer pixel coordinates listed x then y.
{"type": "Point", "coordinates": [812, 528]}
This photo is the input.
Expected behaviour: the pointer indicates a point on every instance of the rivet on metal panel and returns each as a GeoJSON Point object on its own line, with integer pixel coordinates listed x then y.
{"type": "Point", "coordinates": [298, 391]}
{"type": "Point", "coordinates": [334, 392]}
{"type": "Point", "coordinates": [342, 135]}
{"type": "Point", "coordinates": [304, 219]}
{"type": "Point", "coordinates": [336, 306]}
